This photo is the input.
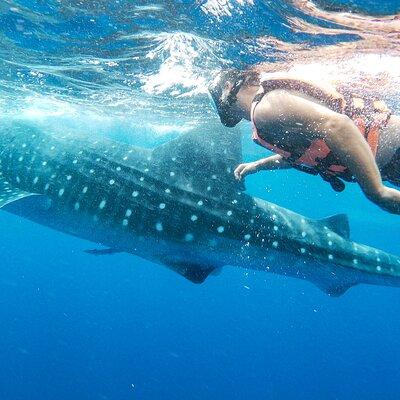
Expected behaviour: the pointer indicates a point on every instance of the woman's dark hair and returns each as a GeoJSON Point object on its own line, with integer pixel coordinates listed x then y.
{"type": "Point", "coordinates": [224, 105]}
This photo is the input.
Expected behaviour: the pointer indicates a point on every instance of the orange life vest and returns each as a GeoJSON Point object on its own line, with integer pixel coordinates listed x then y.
{"type": "Point", "coordinates": [370, 116]}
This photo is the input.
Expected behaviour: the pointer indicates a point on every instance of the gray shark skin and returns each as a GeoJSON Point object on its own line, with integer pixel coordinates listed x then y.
{"type": "Point", "coordinates": [177, 205]}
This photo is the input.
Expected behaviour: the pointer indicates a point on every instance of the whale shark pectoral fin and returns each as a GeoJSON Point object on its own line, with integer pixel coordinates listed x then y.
{"type": "Point", "coordinates": [194, 272]}
{"type": "Point", "coordinates": [9, 194]}
{"type": "Point", "coordinates": [338, 223]}
{"type": "Point", "coordinates": [338, 290]}
{"type": "Point", "coordinates": [103, 252]}
{"type": "Point", "coordinates": [335, 289]}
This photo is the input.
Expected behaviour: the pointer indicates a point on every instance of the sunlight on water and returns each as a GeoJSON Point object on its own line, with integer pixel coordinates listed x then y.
{"type": "Point", "coordinates": [170, 50]}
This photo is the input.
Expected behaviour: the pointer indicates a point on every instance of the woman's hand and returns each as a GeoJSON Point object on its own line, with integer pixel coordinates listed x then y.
{"type": "Point", "coordinates": [242, 170]}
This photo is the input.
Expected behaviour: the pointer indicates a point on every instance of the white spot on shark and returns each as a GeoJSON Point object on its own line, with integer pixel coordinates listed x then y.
{"type": "Point", "coordinates": [247, 236]}
{"type": "Point", "coordinates": [162, 206]}
{"type": "Point", "coordinates": [212, 242]}
{"type": "Point", "coordinates": [194, 218]}
{"type": "Point", "coordinates": [61, 192]}
{"type": "Point", "coordinates": [275, 244]}
{"type": "Point", "coordinates": [102, 204]}
{"type": "Point", "coordinates": [200, 203]}
{"type": "Point", "coordinates": [128, 213]}
{"type": "Point", "coordinates": [189, 237]}
{"type": "Point", "coordinates": [135, 193]}
{"type": "Point", "coordinates": [159, 226]}
{"type": "Point", "coordinates": [220, 229]}
{"type": "Point", "coordinates": [76, 206]}
{"type": "Point", "coordinates": [125, 222]}
{"type": "Point", "coordinates": [111, 181]}
{"type": "Point", "coordinates": [85, 189]}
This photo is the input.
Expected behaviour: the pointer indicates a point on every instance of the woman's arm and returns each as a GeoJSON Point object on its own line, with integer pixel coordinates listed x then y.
{"type": "Point", "coordinates": [341, 135]}
{"type": "Point", "coordinates": [273, 162]}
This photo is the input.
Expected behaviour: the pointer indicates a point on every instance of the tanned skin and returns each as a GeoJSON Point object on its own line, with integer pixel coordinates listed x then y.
{"type": "Point", "coordinates": [295, 120]}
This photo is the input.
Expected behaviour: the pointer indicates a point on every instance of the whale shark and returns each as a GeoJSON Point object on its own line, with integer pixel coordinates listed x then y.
{"type": "Point", "coordinates": [177, 205]}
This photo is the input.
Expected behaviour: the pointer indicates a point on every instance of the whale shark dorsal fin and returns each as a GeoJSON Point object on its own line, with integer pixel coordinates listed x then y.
{"type": "Point", "coordinates": [338, 223]}
{"type": "Point", "coordinates": [9, 193]}
{"type": "Point", "coordinates": [202, 160]}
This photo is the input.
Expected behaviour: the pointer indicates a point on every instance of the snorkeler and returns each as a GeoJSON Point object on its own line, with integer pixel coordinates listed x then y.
{"type": "Point", "coordinates": [316, 128]}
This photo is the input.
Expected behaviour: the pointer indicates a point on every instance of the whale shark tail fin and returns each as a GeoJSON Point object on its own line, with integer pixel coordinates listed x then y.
{"type": "Point", "coordinates": [337, 223]}
{"type": "Point", "coordinates": [202, 161]}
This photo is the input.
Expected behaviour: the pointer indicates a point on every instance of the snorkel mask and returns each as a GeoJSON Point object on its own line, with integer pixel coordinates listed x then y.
{"type": "Point", "coordinates": [223, 103]}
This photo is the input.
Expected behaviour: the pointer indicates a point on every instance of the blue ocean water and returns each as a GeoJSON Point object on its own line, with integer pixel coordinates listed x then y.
{"type": "Point", "coordinates": [74, 326]}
